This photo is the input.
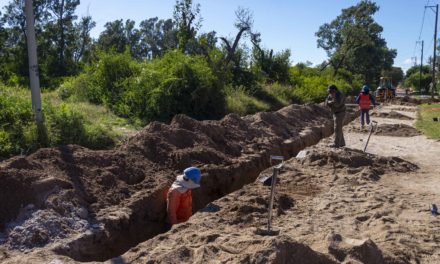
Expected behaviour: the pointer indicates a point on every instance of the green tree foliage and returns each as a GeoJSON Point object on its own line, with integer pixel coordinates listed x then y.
{"type": "Point", "coordinates": [61, 30]}
{"type": "Point", "coordinates": [114, 37]}
{"type": "Point", "coordinates": [188, 22]}
{"type": "Point", "coordinates": [273, 67]}
{"type": "Point", "coordinates": [413, 78]}
{"type": "Point", "coordinates": [153, 90]}
{"type": "Point", "coordinates": [416, 69]}
{"type": "Point", "coordinates": [58, 40]}
{"type": "Point", "coordinates": [83, 42]}
{"type": "Point", "coordinates": [395, 73]}
{"type": "Point", "coordinates": [156, 37]}
{"type": "Point", "coordinates": [310, 84]}
{"type": "Point", "coordinates": [353, 41]}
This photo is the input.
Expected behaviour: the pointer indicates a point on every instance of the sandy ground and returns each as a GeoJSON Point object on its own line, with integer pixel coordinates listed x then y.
{"type": "Point", "coordinates": [333, 206]}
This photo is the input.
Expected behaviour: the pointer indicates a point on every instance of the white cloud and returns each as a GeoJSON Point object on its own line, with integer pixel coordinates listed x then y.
{"type": "Point", "coordinates": [408, 61]}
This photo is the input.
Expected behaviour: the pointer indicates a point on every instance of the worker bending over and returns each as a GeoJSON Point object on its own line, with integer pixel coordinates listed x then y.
{"type": "Point", "coordinates": [179, 197]}
{"type": "Point", "coordinates": [365, 100]}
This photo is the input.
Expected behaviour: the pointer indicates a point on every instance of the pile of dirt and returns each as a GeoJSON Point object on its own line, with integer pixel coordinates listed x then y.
{"type": "Point", "coordinates": [411, 101]}
{"type": "Point", "coordinates": [392, 114]}
{"type": "Point", "coordinates": [396, 130]}
{"type": "Point", "coordinates": [392, 130]}
{"type": "Point", "coordinates": [404, 109]}
{"type": "Point", "coordinates": [97, 204]}
{"type": "Point", "coordinates": [225, 229]}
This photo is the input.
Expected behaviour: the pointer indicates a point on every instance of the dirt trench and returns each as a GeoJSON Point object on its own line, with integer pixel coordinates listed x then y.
{"type": "Point", "coordinates": [122, 191]}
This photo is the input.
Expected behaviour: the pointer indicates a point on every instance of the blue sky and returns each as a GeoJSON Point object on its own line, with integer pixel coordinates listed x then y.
{"type": "Point", "coordinates": [284, 24]}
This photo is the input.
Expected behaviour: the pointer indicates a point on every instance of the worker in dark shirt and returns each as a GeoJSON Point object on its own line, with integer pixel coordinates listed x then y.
{"type": "Point", "coordinates": [336, 102]}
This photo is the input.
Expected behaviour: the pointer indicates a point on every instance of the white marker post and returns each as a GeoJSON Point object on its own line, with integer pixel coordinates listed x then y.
{"type": "Point", "coordinates": [33, 62]}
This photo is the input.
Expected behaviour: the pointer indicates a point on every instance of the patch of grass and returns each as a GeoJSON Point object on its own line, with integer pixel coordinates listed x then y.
{"type": "Point", "coordinates": [97, 114]}
{"type": "Point", "coordinates": [240, 102]}
{"type": "Point", "coordinates": [425, 121]}
{"type": "Point", "coordinates": [66, 122]}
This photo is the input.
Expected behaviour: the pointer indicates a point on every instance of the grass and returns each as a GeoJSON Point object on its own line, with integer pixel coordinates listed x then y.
{"type": "Point", "coordinates": [240, 102]}
{"type": "Point", "coordinates": [66, 122]}
{"type": "Point", "coordinates": [97, 114]}
{"type": "Point", "coordinates": [425, 121]}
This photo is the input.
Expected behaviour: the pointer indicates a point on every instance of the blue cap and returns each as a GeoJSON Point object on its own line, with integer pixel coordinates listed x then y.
{"type": "Point", "coordinates": [365, 89]}
{"type": "Point", "coordinates": [193, 174]}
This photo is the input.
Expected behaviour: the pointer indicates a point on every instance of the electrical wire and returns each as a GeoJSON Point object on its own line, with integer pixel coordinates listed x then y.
{"type": "Point", "coordinates": [421, 28]}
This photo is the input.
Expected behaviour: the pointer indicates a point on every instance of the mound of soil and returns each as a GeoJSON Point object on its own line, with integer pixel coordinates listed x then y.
{"type": "Point", "coordinates": [97, 204]}
{"type": "Point", "coordinates": [411, 101]}
{"type": "Point", "coordinates": [396, 130]}
{"type": "Point", "coordinates": [392, 130]}
{"type": "Point", "coordinates": [225, 230]}
{"type": "Point", "coordinates": [392, 114]}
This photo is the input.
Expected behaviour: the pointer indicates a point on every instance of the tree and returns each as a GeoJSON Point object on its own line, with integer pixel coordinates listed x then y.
{"type": "Point", "coordinates": [63, 35]}
{"type": "Point", "coordinates": [83, 42]}
{"type": "Point", "coordinates": [353, 41]}
{"type": "Point", "coordinates": [395, 73]}
{"type": "Point", "coordinates": [156, 37]}
{"type": "Point", "coordinates": [188, 22]}
{"type": "Point", "coordinates": [413, 78]}
{"type": "Point", "coordinates": [416, 69]}
{"type": "Point", "coordinates": [275, 67]}
{"type": "Point", "coordinates": [244, 23]}
{"type": "Point", "coordinates": [14, 48]}
{"type": "Point", "coordinates": [113, 37]}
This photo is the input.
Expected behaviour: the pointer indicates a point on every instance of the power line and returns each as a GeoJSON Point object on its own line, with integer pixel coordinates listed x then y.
{"type": "Point", "coordinates": [421, 28]}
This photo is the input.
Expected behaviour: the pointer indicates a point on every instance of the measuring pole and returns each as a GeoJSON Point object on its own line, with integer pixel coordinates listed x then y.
{"type": "Point", "coordinates": [33, 63]}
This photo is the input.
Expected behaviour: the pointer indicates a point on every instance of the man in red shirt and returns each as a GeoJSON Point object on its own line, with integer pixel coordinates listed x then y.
{"type": "Point", "coordinates": [365, 100]}
{"type": "Point", "coordinates": [179, 197]}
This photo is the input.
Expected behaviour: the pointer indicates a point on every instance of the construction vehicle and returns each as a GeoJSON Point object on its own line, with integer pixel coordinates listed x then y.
{"type": "Point", "coordinates": [385, 91]}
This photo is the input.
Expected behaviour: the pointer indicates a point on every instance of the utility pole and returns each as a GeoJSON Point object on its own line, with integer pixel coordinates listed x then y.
{"type": "Point", "coordinates": [421, 66]}
{"type": "Point", "coordinates": [33, 63]}
{"type": "Point", "coordinates": [433, 88]}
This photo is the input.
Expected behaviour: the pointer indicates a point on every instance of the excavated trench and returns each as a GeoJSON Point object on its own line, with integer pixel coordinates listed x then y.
{"type": "Point", "coordinates": [140, 212]}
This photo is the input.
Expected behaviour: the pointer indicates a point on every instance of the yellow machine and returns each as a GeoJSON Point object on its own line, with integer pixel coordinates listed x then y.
{"type": "Point", "coordinates": [385, 90]}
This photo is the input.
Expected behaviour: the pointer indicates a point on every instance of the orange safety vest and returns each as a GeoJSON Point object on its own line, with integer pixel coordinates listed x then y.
{"type": "Point", "coordinates": [179, 206]}
{"type": "Point", "coordinates": [364, 101]}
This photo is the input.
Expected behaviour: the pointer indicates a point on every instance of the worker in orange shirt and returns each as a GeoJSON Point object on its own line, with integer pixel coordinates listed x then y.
{"type": "Point", "coordinates": [179, 197]}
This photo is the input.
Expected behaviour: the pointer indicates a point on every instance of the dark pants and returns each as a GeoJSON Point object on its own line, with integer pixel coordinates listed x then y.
{"type": "Point", "coordinates": [365, 114]}
{"type": "Point", "coordinates": [338, 121]}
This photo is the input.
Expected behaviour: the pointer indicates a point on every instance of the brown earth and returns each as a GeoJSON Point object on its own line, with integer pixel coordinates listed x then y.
{"type": "Point", "coordinates": [391, 114]}
{"type": "Point", "coordinates": [94, 205]}
{"type": "Point", "coordinates": [332, 206]}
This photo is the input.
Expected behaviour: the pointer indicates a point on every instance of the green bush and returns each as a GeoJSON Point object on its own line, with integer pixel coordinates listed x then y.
{"type": "Point", "coordinates": [240, 102]}
{"type": "Point", "coordinates": [63, 125]}
{"type": "Point", "coordinates": [155, 90]}
{"type": "Point", "coordinates": [310, 84]}
{"type": "Point", "coordinates": [173, 84]}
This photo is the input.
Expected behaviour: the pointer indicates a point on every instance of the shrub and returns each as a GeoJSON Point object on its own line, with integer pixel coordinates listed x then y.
{"type": "Point", "coordinates": [240, 102]}
{"type": "Point", "coordinates": [63, 125]}
{"type": "Point", "coordinates": [174, 84]}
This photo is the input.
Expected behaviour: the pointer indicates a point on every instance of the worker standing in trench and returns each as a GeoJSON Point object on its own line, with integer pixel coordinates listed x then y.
{"type": "Point", "coordinates": [179, 196]}
{"type": "Point", "coordinates": [336, 102]}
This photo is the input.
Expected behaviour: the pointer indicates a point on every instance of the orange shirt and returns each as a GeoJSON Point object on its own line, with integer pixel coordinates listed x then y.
{"type": "Point", "coordinates": [179, 206]}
